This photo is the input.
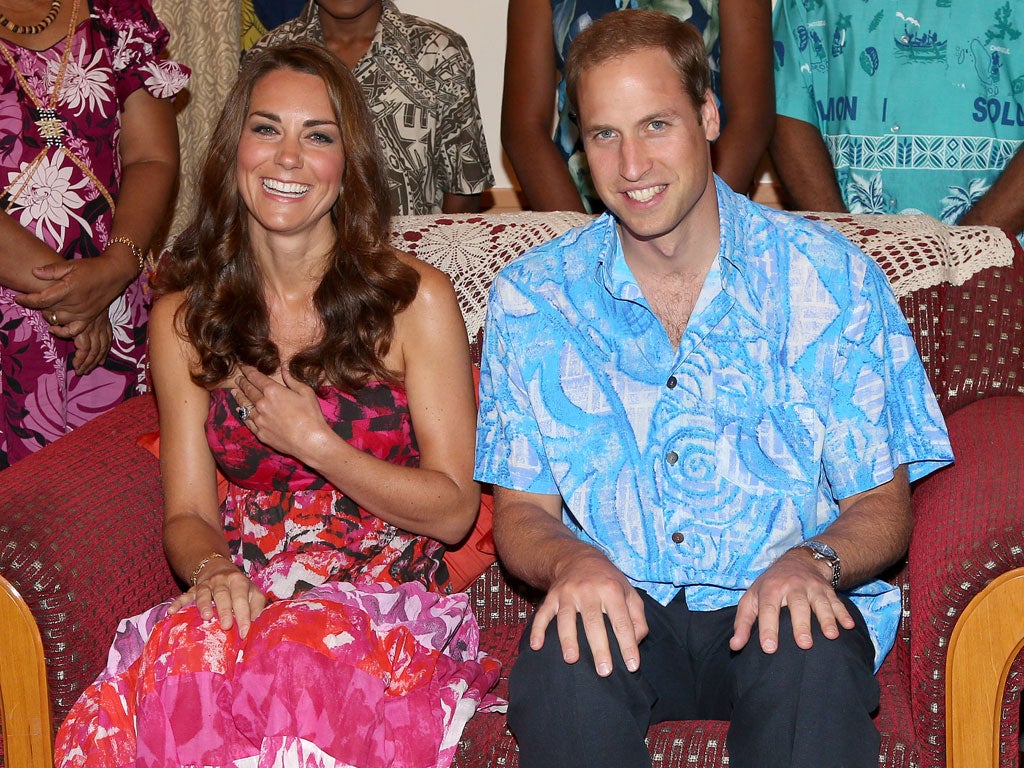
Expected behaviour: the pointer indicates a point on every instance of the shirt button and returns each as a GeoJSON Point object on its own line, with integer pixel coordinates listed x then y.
{"type": "Point", "coordinates": [895, 129]}
{"type": "Point", "coordinates": [671, 383]}
{"type": "Point", "coordinates": [678, 538]}
{"type": "Point", "coordinates": [671, 457]}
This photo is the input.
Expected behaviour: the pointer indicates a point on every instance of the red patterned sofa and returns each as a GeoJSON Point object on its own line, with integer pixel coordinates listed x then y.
{"type": "Point", "coordinates": [80, 521]}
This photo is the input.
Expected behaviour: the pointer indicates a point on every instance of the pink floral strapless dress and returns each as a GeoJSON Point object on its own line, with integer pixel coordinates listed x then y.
{"type": "Point", "coordinates": [358, 660]}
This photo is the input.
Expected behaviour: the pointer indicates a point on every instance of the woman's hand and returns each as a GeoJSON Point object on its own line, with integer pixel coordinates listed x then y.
{"type": "Point", "coordinates": [285, 417]}
{"type": "Point", "coordinates": [92, 345]}
{"type": "Point", "coordinates": [81, 289]}
{"type": "Point", "coordinates": [223, 590]}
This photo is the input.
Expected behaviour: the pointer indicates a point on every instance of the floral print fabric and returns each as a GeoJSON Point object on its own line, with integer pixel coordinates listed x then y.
{"type": "Point", "coordinates": [356, 661]}
{"type": "Point", "coordinates": [114, 53]}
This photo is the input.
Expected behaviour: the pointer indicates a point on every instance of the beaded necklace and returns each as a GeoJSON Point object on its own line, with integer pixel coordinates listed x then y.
{"type": "Point", "coordinates": [50, 124]}
{"type": "Point", "coordinates": [34, 29]}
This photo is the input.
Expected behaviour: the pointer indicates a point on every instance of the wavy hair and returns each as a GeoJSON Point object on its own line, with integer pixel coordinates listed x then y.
{"type": "Point", "coordinates": [225, 315]}
{"type": "Point", "coordinates": [621, 33]}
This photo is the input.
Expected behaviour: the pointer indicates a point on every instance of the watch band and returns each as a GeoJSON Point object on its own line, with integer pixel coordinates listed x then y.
{"type": "Point", "coordinates": [822, 551]}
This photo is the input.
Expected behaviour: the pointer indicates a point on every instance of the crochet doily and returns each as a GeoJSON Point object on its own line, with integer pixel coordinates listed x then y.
{"type": "Point", "coordinates": [918, 252]}
{"type": "Point", "coordinates": [915, 252]}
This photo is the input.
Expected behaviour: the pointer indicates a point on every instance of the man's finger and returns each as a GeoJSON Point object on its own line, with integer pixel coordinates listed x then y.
{"type": "Point", "coordinates": [596, 630]}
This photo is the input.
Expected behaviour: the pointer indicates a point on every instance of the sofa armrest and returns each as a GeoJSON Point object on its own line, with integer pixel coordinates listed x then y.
{"type": "Point", "coordinates": [80, 541]}
{"type": "Point", "coordinates": [967, 533]}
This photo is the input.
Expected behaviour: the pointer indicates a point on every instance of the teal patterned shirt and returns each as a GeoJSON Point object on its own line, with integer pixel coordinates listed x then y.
{"type": "Point", "coordinates": [920, 102]}
{"type": "Point", "coordinates": [795, 384]}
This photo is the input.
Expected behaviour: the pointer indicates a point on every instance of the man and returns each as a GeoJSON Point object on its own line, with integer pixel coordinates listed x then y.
{"type": "Point", "coordinates": [700, 417]}
{"type": "Point", "coordinates": [903, 107]}
{"type": "Point", "coordinates": [417, 77]}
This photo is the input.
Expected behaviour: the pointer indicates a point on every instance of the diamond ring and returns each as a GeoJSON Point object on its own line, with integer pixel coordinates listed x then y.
{"type": "Point", "coordinates": [244, 412]}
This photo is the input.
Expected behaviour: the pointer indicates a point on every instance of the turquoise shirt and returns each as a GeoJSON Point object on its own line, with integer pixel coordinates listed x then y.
{"type": "Point", "coordinates": [796, 383]}
{"type": "Point", "coordinates": [919, 101]}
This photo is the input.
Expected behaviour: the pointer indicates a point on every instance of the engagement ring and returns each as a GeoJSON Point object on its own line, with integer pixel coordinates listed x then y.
{"type": "Point", "coordinates": [244, 411]}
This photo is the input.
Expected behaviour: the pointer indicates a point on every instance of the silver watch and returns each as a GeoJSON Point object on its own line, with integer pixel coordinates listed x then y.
{"type": "Point", "coordinates": [822, 551]}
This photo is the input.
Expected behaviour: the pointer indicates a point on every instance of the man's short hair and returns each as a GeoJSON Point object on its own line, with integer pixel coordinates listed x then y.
{"type": "Point", "coordinates": [620, 33]}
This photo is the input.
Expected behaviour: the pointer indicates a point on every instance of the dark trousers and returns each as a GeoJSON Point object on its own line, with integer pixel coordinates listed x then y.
{"type": "Point", "coordinates": [790, 709]}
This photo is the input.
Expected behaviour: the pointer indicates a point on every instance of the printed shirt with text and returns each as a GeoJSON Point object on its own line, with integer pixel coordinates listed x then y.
{"type": "Point", "coordinates": [796, 383]}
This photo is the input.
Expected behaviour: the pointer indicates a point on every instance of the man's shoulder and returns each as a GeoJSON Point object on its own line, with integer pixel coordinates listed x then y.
{"type": "Point", "coordinates": [294, 31]}
{"type": "Point", "coordinates": [562, 259]}
{"type": "Point", "coordinates": [426, 36]}
{"type": "Point", "coordinates": [773, 234]}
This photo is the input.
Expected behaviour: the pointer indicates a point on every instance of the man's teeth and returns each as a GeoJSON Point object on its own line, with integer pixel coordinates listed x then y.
{"type": "Point", "coordinates": [284, 187]}
{"type": "Point", "coordinates": [643, 195]}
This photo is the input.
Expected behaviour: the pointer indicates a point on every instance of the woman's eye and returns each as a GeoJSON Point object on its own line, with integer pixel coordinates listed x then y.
{"type": "Point", "coordinates": [321, 138]}
{"type": "Point", "coordinates": [262, 129]}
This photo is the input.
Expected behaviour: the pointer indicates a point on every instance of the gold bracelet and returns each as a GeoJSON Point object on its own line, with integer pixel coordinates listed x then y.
{"type": "Point", "coordinates": [194, 578]}
{"type": "Point", "coordinates": [136, 251]}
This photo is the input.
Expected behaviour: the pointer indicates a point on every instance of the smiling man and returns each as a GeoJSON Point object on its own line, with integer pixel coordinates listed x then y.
{"type": "Point", "coordinates": [701, 417]}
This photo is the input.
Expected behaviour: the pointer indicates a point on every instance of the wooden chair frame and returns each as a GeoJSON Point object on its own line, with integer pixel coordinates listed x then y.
{"type": "Point", "coordinates": [984, 644]}
{"type": "Point", "coordinates": [24, 704]}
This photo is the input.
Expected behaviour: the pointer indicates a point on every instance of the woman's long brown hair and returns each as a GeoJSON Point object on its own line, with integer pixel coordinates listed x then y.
{"type": "Point", "coordinates": [365, 285]}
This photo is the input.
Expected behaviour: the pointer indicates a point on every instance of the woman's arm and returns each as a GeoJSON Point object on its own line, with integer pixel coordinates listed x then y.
{"type": "Point", "coordinates": [80, 289]}
{"type": "Point", "coordinates": [528, 109]}
{"type": "Point", "coordinates": [192, 529]}
{"type": "Point", "coordinates": [439, 499]}
{"type": "Point", "coordinates": [748, 91]}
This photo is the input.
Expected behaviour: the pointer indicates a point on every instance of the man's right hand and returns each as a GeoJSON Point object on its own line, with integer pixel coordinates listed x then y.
{"type": "Point", "coordinates": [589, 585]}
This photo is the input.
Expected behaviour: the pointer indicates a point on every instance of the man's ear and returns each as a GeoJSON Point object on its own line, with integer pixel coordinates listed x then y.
{"type": "Point", "coordinates": [709, 116]}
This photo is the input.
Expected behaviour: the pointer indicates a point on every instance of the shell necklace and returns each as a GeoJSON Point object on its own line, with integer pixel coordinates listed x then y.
{"type": "Point", "coordinates": [34, 29]}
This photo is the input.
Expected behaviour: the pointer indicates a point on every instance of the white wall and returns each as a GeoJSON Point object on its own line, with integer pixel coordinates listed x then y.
{"type": "Point", "coordinates": [482, 23]}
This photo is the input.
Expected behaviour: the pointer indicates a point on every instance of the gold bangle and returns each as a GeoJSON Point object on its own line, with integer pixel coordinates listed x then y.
{"type": "Point", "coordinates": [136, 251]}
{"type": "Point", "coordinates": [194, 578]}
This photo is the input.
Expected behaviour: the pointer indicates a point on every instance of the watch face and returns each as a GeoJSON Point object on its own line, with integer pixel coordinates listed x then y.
{"type": "Point", "coordinates": [821, 548]}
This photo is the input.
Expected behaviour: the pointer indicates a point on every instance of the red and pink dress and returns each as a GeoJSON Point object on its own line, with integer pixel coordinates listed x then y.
{"type": "Point", "coordinates": [360, 658]}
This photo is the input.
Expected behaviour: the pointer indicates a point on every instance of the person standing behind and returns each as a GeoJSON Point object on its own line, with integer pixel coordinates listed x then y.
{"type": "Point", "coordinates": [700, 417]}
{"type": "Point", "coordinates": [89, 161]}
{"type": "Point", "coordinates": [417, 77]}
{"type": "Point", "coordinates": [915, 107]}
{"type": "Point", "coordinates": [552, 171]}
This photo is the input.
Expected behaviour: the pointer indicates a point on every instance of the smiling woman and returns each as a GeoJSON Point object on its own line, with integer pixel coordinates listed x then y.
{"type": "Point", "coordinates": [328, 377]}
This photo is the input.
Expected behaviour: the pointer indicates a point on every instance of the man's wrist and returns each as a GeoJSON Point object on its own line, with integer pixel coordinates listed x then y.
{"type": "Point", "coordinates": [826, 558]}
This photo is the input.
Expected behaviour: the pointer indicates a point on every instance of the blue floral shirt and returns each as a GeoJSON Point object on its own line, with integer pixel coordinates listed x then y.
{"type": "Point", "coordinates": [796, 383]}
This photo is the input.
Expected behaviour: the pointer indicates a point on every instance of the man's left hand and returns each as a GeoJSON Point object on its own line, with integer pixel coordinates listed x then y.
{"type": "Point", "coordinates": [795, 581]}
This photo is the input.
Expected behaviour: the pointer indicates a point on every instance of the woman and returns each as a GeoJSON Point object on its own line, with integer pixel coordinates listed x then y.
{"type": "Point", "coordinates": [328, 377]}
{"type": "Point", "coordinates": [552, 171]}
{"type": "Point", "coordinates": [88, 162]}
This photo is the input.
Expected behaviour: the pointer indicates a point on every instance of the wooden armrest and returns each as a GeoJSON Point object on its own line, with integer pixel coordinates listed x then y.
{"type": "Point", "coordinates": [24, 705]}
{"type": "Point", "coordinates": [984, 644]}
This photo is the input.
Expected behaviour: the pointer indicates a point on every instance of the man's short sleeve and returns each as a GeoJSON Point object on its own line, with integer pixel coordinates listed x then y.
{"type": "Point", "coordinates": [883, 411]}
{"type": "Point", "coordinates": [794, 85]}
{"type": "Point", "coordinates": [463, 165]}
{"type": "Point", "coordinates": [509, 447]}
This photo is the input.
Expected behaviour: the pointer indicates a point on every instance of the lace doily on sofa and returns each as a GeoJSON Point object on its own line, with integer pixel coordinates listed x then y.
{"type": "Point", "coordinates": [471, 248]}
{"type": "Point", "coordinates": [920, 251]}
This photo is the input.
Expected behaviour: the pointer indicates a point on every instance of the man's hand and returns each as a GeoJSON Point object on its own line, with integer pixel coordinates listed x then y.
{"type": "Point", "coordinates": [797, 581]}
{"type": "Point", "coordinates": [589, 585]}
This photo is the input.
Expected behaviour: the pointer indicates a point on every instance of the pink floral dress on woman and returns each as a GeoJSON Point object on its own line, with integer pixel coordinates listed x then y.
{"type": "Point", "coordinates": [113, 53]}
{"type": "Point", "coordinates": [360, 659]}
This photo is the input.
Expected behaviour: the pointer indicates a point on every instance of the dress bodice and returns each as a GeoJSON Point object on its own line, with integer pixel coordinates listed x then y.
{"type": "Point", "coordinates": [374, 419]}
